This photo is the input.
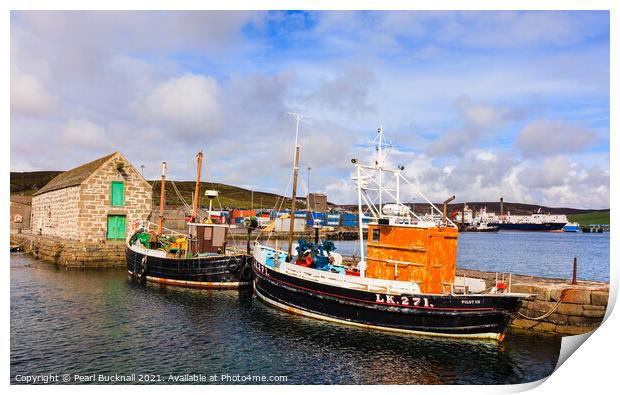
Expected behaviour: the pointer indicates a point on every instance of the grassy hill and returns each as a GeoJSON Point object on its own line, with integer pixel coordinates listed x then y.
{"type": "Point", "coordinates": [494, 207]}
{"type": "Point", "coordinates": [594, 217]}
{"type": "Point", "coordinates": [27, 183]}
{"type": "Point", "coordinates": [229, 196]}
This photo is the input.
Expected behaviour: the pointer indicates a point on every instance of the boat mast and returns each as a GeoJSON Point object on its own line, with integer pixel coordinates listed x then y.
{"type": "Point", "coordinates": [196, 192]}
{"type": "Point", "coordinates": [298, 117]}
{"type": "Point", "coordinates": [161, 197]}
{"type": "Point", "coordinates": [362, 265]}
{"type": "Point", "coordinates": [379, 164]}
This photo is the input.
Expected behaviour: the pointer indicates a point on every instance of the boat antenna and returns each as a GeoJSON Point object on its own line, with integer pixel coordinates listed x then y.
{"type": "Point", "coordinates": [197, 190]}
{"type": "Point", "coordinates": [298, 117]}
{"type": "Point", "coordinates": [161, 197]}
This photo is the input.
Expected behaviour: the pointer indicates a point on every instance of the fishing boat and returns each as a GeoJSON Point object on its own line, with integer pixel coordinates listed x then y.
{"type": "Point", "coordinates": [406, 279]}
{"type": "Point", "coordinates": [479, 226]}
{"type": "Point", "coordinates": [200, 258]}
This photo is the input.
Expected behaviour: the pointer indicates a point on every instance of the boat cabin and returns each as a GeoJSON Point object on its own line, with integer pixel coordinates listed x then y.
{"type": "Point", "coordinates": [207, 238]}
{"type": "Point", "coordinates": [403, 252]}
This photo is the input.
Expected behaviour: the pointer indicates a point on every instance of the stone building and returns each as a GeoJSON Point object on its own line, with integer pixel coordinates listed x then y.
{"type": "Point", "coordinates": [20, 212]}
{"type": "Point", "coordinates": [97, 201]}
{"type": "Point", "coordinates": [317, 202]}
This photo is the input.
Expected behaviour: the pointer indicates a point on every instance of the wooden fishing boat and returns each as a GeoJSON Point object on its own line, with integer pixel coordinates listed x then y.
{"type": "Point", "coordinates": [405, 280]}
{"type": "Point", "coordinates": [198, 259]}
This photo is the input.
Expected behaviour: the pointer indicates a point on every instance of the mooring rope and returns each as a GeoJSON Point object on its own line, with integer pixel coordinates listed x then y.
{"type": "Point", "coordinates": [547, 314]}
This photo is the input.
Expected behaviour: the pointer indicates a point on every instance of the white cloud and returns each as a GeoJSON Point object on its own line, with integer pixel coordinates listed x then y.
{"type": "Point", "coordinates": [549, 137]}
{"type": "Point", "coordinates": [82, 133]}
{"type": "Point", "coordinates": [454, 88]}
{"type": "Point", "coordinates": [190, 101]}
{"type": "Point", "coordinates": [29, 97]}
{"type": "Point", "coordinates": [480, 121]}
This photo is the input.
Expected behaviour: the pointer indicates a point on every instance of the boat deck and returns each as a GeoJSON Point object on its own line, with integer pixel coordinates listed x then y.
{"type": "Point", "coordinates": [339, 278]}
{"type": "Point", "coordinates": [267, 255]}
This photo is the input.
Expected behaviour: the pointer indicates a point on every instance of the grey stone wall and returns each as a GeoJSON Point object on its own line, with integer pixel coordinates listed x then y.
{"type": "Point", "coordinates": [56, 213]}
{"type": "Point", "coordinates": [75, 254]}
{"type": "Point", "coordinates": [95, 195]}
{"type": "Point", "coordinates": [581, 308]}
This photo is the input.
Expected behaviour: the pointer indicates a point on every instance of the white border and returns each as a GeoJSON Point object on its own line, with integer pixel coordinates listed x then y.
{"type": "Point", "coordinates": [591, 369]}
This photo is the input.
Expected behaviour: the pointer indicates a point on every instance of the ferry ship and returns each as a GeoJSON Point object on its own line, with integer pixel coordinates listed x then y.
{"type": "Point", "coordinates": [405, 280]}
{"type": "Point", "coordinates": [535, 222]}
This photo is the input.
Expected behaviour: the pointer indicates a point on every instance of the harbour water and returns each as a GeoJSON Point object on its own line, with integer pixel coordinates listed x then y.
{"type": "Point", "coordinates": [99, 323]}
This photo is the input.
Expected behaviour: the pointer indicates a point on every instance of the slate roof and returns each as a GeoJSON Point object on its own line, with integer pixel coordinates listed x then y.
{"type": "Point", "coordinates": [74, 176]}
{"type": "Point", "coordinates": [27, 200]}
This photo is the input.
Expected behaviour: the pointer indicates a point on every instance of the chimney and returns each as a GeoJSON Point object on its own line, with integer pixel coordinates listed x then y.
{"type": "Point", "coordinates": [501, 206]}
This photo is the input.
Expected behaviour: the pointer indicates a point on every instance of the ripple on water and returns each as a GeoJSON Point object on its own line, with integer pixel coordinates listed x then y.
{"type": "Point", "coordinates": [99, 322]}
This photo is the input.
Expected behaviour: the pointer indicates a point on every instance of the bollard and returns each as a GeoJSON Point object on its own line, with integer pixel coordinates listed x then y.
{"type": "Point", "coordinates": [574, 282]}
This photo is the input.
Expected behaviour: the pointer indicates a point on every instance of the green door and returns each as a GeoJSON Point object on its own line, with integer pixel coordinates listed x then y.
{"type": "Point", "coordinates": [116, 227]}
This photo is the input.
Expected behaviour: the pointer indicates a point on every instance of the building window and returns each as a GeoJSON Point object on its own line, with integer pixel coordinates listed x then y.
{"type": "Point", "coordinates": [116, 227]}
{"type": "Point", "coordinates": [118, 194]}
{"type": "Point", "coordinates": [375, 235]}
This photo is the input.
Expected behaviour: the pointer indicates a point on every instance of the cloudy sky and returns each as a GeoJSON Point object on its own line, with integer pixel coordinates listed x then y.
{"type": "Point", "coordinates": [476, 104]}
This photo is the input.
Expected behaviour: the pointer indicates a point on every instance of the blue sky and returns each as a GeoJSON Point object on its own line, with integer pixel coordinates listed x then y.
{"type": "Point", "coordinates": [478, 104]}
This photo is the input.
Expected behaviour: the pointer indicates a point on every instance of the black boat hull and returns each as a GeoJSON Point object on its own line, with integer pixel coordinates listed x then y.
{"type": "Point", "coordinates": [222, 271]}
{"type": "Point", "coordinates": [547, 227]}
{"type": "Point", "coordinates": [465, 316]}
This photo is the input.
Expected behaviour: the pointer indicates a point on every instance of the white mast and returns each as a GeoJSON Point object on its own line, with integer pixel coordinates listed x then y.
{"type": "Point", "coordinates": [373, 177]}
{"type": "Point", "coordinates": [362, 265]}
{"type": "Point", "coordinates": [298, 117]}
{"type": "Point", "coordinates": [379, 163]}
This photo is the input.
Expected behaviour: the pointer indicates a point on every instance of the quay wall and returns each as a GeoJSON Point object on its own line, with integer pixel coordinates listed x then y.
{"type": "Point", "coordinates": [557, 306]}
{"type": "Point", "coordinates": [72, 253]}
{"type": "Point", "coordinates": [576, 309]}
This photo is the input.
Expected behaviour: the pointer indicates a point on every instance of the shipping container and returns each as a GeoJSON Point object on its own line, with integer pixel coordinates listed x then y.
{"type": "Point", "coordinates": [312, 222]}
{"type": "Point", "coordinates": [244, 213]}
{"type": "Point", "coordinates": [284, 224]}
{"type": "Point", "coordinates": [349, 217]}
{"type": "Point", "coordinates": [316, 215]}
{"type": "Point", "coordinates": [263, 222]}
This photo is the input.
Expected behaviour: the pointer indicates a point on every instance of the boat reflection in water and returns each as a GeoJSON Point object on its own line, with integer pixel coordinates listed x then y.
{"type": "Point", "coordinates": [89, 322]}
{"type": "Point", "coordinates": [406, 282]}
